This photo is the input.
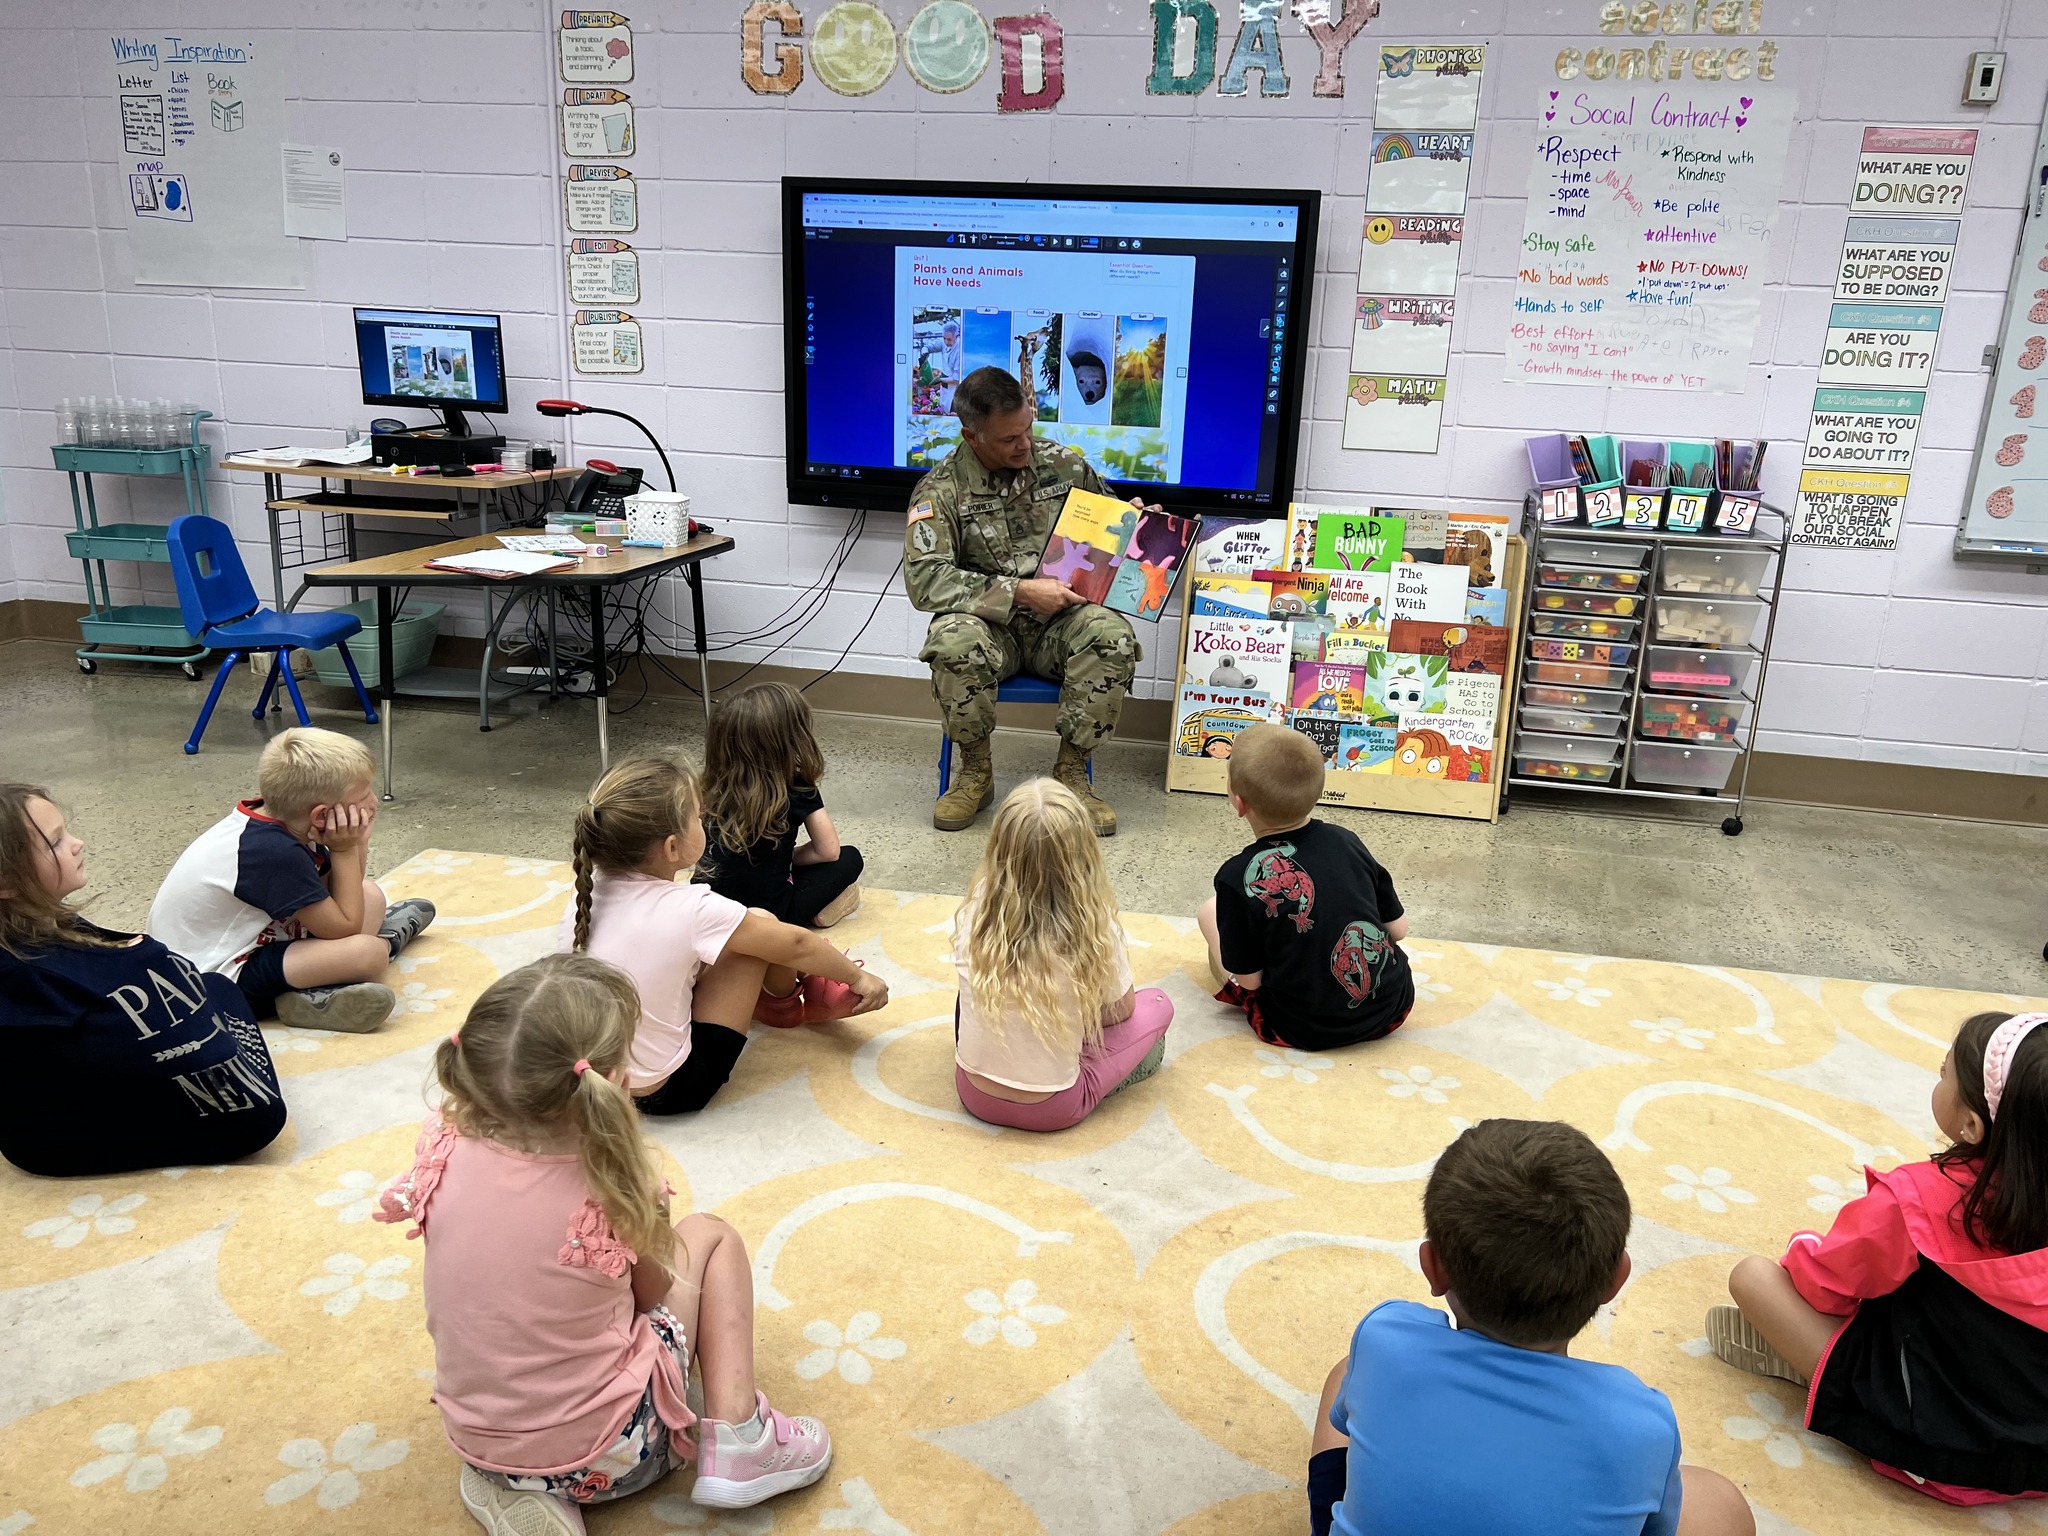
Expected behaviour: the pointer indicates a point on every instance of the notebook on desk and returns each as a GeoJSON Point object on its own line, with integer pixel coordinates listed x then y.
{"type": "Point", "coordinates": [501, 564]}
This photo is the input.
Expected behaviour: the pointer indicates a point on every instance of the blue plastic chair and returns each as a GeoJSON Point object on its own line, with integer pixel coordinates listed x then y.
{"type": "Point", "coordinates": [220, 608]}
{"type": "Point", "coordinates": [1021, 689]}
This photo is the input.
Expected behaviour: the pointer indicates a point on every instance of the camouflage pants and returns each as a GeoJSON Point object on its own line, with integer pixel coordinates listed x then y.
{"type": "Point", "coordinates": [1089, 651]}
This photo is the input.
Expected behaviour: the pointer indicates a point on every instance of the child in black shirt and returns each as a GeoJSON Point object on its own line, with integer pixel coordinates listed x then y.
{"type": "Point", "coordinates": [1304, 925]}
{"type": "Point", "coordinates": [762, 765]}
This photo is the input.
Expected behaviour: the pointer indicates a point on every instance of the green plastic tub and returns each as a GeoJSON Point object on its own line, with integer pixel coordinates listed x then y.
{"type": "Point", "coordinates": [412, 643]}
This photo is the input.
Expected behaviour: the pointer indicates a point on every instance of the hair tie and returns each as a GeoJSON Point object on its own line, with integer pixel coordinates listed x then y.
{"type": "Point", "coordinates": [582, 1065]}
{"type": "Point", "coordinates": [455, 1038]}
{"type": "Point", "coordinates": [1998, 1055]}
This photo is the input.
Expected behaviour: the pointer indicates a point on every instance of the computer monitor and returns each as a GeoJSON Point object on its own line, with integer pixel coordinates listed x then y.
{"type": "Point", "coordinates": [1161, 331]}
{"type": "Point", "coordinates": [428, 358]}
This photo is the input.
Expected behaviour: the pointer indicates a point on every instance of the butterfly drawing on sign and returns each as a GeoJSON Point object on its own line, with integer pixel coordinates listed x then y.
{"type": "Point", "coordinates": [1399, 65]}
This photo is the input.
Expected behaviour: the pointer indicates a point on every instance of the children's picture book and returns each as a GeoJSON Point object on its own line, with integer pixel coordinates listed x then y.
{"type": "Point", "coordinates": [1321, 689]}
{"type": "Point", "coordinates": [1295, 594]}
{"type": "Point", "coordinates": [1299, 551]}
{"type": "Point", "coordinates": [1424, 530]}
{"type": "Point", "coordinates": [1399, 683]}
{"type": "Point", "coordinates": [1237, 596]}
{"type": "Point", "coordinates": [1311, 636]}
{"type": "Point", "coordinates": [1238, 546]}
{"type": "Point", "coordinates": [1468, 647]}
{"type": "Point", "coordinates": [1427, 592]}
{"type": "Point", "coordinates": [1479, 542]}
{"type": "Point", "coordinates": [1326, 731]}
{"type": "Point", "coordinates": [1486, 605]}
{"type": "Point", "coordinates": [1111, 553]}
{"type": "Point", "coordinates": [1358, 598]}
{"type": "Point", "coordinates": [1354, 539]}
{"type": "Point", "coordinates": [1475, 695]}
{"type": "Point", "coordinates": [1448, 748]}
{"type": "Point", "coordinates": [1207, 720]}
{"type": "Point", "coordinates": [1366, 747]}
{"type": "Point", "coordinates": [1243, 655]}
{"type": "Point", "coordinates": [1349, 645]}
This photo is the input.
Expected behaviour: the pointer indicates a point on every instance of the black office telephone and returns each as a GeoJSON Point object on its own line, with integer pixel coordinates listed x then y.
{"type": "Point", "coordinates": [602, 489]}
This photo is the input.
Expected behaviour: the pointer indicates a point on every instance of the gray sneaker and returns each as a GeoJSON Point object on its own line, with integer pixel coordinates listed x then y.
{"type": "Point", "coordinates": [355, 1010]}
{"type": "Point", "coordinates": [1146, 1067]}
{"type": "Point", "coordinates": [405, 921]}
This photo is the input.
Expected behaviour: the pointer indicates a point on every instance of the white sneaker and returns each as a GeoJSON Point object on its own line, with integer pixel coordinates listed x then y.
{"type": "Point", "coordinates": [734, 1473]}
{"type": "Point", "coordinates": [504, 1513]}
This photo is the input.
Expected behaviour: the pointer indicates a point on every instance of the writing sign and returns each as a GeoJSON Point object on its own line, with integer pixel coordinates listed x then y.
{"type": "Point", "coordinates": [1647, 234]}
{"type": "Point", "coordinates": [1913, 170]}
{"type": "Point", "coordinates": [1882, 344]}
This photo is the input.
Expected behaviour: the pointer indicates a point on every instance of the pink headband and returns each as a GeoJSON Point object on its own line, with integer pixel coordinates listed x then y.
{"type": "Point", "coordinates": [1998, 1055]}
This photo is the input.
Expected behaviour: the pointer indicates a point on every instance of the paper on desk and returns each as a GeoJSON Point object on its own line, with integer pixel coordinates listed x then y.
{"type": "Point", "coordinates": [543, 543]}
{"type": "Point", "coordinates": [288, 457]}
{"type": "Point", "coordinates": [501, 563]}
{"type": "Point", "coordinates": [313, 207]}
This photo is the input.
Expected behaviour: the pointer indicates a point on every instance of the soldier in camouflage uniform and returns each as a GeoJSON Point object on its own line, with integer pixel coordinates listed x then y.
{"type": "Point", "coordinates": [971, 550]}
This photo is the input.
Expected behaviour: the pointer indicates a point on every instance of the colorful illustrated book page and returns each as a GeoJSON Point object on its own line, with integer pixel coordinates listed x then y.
{"type": "Point", "coordinates": [1111, 553]}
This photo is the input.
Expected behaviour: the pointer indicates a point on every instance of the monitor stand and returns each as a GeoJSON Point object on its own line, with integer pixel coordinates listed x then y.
{"type": "Point", "coordinates": [453, 422]}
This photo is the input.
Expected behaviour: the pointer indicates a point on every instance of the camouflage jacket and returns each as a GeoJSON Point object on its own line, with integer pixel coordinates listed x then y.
{"type": "Point", "coordinates": [975, 532]}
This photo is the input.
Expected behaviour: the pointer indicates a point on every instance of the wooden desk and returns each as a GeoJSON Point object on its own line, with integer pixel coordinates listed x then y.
{"type": "Point", "coordinates": [589, 578]}
{"type": "Point", "coordinates": [474, 497]}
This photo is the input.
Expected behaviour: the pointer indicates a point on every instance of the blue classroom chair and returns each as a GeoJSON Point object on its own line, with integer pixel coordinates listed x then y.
{"type": "Point", "coordinates": [220, 607]}
{"type": "Point", "coordinates": [1021, 689]}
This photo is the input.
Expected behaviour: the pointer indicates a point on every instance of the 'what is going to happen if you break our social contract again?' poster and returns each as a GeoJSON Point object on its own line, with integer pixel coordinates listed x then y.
{"type": "Point", "coordinates": [1650, 214]}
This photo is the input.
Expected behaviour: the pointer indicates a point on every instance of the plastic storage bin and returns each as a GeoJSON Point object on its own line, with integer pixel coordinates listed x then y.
{"type": "Point", "coordinates": [1708, 572]}
{"type": "Point", "coordinates": [1558, 768]}
{"type": "Point", "coordinates": [1682, 766]}
{"type": "Point", "coordinates": [1683, 669]}
{"type": "Point", "coordinates": [1568, 749]}
{"type": "Point", "coordinates": [1610, 552]}
{"type": "Point", "coordinates": [1588, 578]}
{"type": "Point", "coordinates": [1571, 722]}
{"type": "Point", "coordinates": [1572, 626]}
{"type": "Point", "coordinates": [1555, 648]}
{"type": "Point", "coordinates": [1576, 674]}
{"type": "Point", "coordinates": [1690, 717]}
{"type": "Point", "coordinates": [413, 629]}
{"type": "Point", "coordinates": [1601, 701]}
{"type": "Point", "coordinates": [1720, 621]}
{"type": "Point", "coordinates": [1618, 605]}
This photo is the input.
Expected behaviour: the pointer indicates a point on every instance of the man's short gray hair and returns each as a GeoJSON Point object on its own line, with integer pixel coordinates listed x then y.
{"type": "Point", "coordinates": [984, 393]}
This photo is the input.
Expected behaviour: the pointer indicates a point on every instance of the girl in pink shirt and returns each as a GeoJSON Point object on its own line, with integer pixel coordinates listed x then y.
{"type": "Point", "coordinates": [561, 1303]}
{"type": "Point", "coordinates": [705, 966]}
{"type": "Point", "coordinates": [1048, 1025]}
{"type": "Point", "coordinates": [1921, 1318]}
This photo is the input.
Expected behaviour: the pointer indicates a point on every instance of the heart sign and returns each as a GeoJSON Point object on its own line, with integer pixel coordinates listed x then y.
{"type": "Point", "coordinates": [1550, 112]}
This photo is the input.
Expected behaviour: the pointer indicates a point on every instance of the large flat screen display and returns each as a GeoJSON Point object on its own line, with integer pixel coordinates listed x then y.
{"type": "Point", "coordinates": [1160, 331]}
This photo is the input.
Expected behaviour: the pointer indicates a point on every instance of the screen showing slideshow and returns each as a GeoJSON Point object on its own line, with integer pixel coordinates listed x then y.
{"type": "Point", "coordinates": [429, 356]}
{"type": "Point", "coordinates": [1150, 334]}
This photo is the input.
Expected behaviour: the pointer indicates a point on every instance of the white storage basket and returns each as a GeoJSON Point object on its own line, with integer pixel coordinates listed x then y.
{"type": "Point", "coordinates": [660, 515]}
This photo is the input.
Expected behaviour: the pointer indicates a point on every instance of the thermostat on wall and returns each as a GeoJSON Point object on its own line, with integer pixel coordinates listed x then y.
{"type": "Point", "coordinates": [1987, 74]}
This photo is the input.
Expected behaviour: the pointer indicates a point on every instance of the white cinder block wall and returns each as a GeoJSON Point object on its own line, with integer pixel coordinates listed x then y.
{"type": "Point", "coordinates": [445, 111]}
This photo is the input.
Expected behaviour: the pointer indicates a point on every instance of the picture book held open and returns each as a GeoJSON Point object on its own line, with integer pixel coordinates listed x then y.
{"type": "Point", "coordinates": [1118, 555]}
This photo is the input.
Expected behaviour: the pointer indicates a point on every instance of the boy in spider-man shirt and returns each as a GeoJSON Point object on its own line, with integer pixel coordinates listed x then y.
{"type": "Point", "coordinates": [1304, 927]}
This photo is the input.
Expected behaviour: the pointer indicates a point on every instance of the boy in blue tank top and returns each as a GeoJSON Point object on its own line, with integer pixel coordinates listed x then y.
{"type": "Point", "coordinates": [1488, 1425]}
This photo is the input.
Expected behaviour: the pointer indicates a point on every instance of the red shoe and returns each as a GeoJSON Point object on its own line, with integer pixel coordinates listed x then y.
{"type": "Point", "coordinates": [826, 1000]}
{"type": "Point", "coordinates": [781, 1012]}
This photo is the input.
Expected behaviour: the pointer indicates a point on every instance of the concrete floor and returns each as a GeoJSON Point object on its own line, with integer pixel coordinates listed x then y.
{"type": "Point", "coordinates": [1823, 892]}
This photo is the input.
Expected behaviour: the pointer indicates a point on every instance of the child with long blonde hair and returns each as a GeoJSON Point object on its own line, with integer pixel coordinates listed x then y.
{"type": "Point", "coordinates": [762, 766]}
{"type": "Point", "coordinates": [706, 967]}
{"type": "Point", "coordinates": [563, 1307]}
{"type": "Point", "coordinates": [1048, 1025]}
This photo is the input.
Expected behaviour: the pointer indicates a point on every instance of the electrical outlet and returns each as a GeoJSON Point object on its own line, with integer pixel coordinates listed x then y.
{"type": "Point", "coordinates": [1987, 74]}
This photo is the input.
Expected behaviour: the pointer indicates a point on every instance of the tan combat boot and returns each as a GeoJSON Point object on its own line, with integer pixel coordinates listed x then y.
{"type": "Point", "coordinates": [974, 786]}
{"type": "Point", "coordinates": [1072, 771]}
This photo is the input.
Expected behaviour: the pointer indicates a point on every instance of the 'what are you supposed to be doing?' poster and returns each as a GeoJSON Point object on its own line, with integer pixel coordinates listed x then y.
{"type": "Point", "coordinates": [1651, 208]}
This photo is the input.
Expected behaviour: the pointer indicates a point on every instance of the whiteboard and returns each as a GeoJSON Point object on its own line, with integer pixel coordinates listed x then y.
{"type": "Point", "coordinates": [2006, 510]}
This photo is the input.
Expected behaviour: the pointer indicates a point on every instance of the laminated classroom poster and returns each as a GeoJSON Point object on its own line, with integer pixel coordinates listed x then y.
{"type": "Point", "coordinates": [1398, 333]}
{"type": "Point", "coordinates": [595, 47]}
{"type": "Point", "coordinates": [1411, 253]}
{"type": "Point", "coordinates": [1429, 85]}
{"type": "Point", "coordinates": [605, 341]}
{"type": "Point", "coordinates": [1213, 593]}
{"type": "Point", "coordinates": [1419, 171]}
{"type": "Point", "coordinates": [603, 272]}
{"type": "Point", "coordinates": [1366, 747]}
{"type": "Point", "coordinates": [1240, 545]}
{"type": "Point", "coordinates": [597, 122]}
{"type": "Point", "coordinates": [1241, 655]}
{"type": "Point", "coordinates": [1416, 591]}
{"type": "Point", "coordinates": [1394, 413]}
{"type": "Point", "coordinates": [601, 200]}
{"type": "Point", "coordinates": [1356, 540]}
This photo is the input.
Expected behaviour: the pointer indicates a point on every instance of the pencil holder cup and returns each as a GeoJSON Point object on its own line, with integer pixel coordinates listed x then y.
{"type": "Point", "coordinates": [1642, 506]}
{"type": "Point", "coordinates": [1601, 497]}
{"type": "Point", "coordinates": [1557, 486]}
{"type": "Point", "coordinates": [1735, 510]}
{"type": "Point", "coordinates": [1692, 480]}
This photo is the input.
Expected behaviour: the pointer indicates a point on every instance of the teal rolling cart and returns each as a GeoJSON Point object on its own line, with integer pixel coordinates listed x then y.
{"type": "Point", "coordinates": [131, 631]}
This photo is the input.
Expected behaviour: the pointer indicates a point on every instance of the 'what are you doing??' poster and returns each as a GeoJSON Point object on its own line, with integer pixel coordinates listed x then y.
{"type": "Point", "coordinates": [1649, 223]}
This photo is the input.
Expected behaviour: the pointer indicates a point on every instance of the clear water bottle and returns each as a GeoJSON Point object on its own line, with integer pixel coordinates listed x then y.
{"type": "Point", "coordinates": [94, 428]}
{"type": "Point", "coordinates": [67, 420]}
{"type": "Point", "coordinates": [166, 424]}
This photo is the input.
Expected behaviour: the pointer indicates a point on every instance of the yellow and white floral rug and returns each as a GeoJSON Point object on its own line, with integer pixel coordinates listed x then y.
{"type": "Point", "coordinates": [1120, 1329]}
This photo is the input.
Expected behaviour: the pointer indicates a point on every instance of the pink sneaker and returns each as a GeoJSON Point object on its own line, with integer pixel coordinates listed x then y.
{"type": "Point", "coordinates": [826, 1000]}
{"type": "Point", "coordinates": [734, 1474]}
{"type": "Point", "coordinates": [781, 1012]}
